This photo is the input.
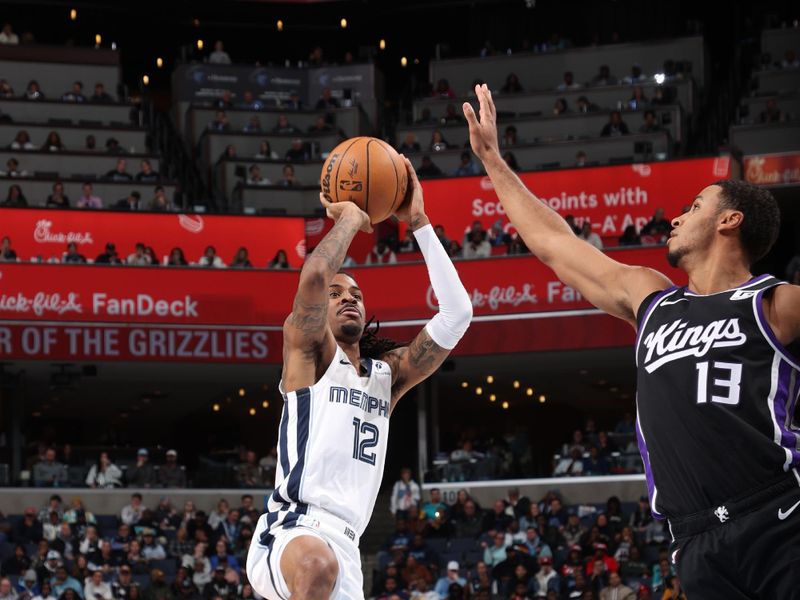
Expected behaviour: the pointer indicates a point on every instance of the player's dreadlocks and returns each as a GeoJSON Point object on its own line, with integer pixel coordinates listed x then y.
{"type": "Point", "coordinates": [372, 346]}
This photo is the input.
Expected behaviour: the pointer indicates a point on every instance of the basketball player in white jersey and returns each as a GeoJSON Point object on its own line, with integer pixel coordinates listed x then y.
{"type": "Point", "coordinates": [340, 385]}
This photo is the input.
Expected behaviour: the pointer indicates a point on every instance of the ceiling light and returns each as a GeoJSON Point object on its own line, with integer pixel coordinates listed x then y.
{"type": "Point", "coordinates": [252, 412]}
{"type": "Point", "coordinates": [403, 62]}
{"type": "Point", "coordinates": [516, 384]}
{"type": "Point", "coordinates": [265, 404]}
{"type": "Point", "coordinates": [343, 23]}
{"type": "Point", "coordinates": [529, 391]}
{"type": "Point", "coordinates": [504, 405]}
{"type": "Point", "coordinates": [490, 379]}
{"type": "Point", "coordinates": [215, 407]}
{"type": "Point", "coordinates": [492, 398]}
{"type": "Point", "coordinates": [279, 25]}
{"type": "Point", "coordinates": [73, 14]}
{"type": "Point", "coordinates": [479, 390]}
{"type": "Point", "coordinates": [382, 44]}
{"type": "Point", "coordinates": [159, 62]}
{"type": "Point", "coordinates": [542, 399]}
{"type": "Point", "coordinates": [464, 384]}
{"type": "Point", "coordinates": [241, 392]}
{"type": "Point", "coordinates": [199, 44]}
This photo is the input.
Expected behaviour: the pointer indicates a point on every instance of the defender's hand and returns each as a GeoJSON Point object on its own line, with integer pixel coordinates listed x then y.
{"type": "Point", "coordinates": [483, 134]}
{"type": "Point", "coordinates": [412, 211]}
{"type": "Point", "coordinates": [337, 210]}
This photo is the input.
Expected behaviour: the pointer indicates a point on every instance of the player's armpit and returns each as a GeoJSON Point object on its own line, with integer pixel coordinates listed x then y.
{"type": "Point", "coordinates": [413, 363]}
{"type": "Point", "coordinates": [783, 313]}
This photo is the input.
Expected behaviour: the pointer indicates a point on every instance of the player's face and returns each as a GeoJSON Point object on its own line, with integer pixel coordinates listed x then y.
{"type": "Point", "coordinates": [345, 308]}
{"type": "Point", "coordinates": [694, 231]}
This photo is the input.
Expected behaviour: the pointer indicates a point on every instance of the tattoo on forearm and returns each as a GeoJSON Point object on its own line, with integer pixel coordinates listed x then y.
{"type": "Point", "coordinates": [309, 318]}
{"type": "Point", "coordinates": [333, 248]}
{"type": "Point", "coordinates": [424, 354]}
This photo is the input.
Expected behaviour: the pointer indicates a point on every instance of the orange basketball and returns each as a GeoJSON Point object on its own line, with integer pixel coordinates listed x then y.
{"type": "Point", "coordinates": [367, 171]}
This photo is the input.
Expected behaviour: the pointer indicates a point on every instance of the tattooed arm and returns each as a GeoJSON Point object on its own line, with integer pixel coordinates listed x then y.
{"type": "Point", "coordinates": [433, 344]}
{"type": "Point", "coordinates": [307, 337]}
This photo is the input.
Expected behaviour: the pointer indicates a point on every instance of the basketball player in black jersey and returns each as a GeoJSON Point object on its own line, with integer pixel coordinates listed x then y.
{"type": "Point", "coordinates": [718, 375]}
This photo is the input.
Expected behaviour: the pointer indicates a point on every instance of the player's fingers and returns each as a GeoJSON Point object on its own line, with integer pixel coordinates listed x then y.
{"type": "Point", "coordinates": [323, 201]}
{"type": "Point", "coordinates": [412, 174]}
{"type": "Point", "coordinates": [469, 113]}
{"type": "Point", "coordinates": [487, 96]}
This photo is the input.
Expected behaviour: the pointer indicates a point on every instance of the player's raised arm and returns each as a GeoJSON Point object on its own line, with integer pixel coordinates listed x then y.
{"type": "Point", "coordinates": [307, 337]}
{"type": "Point", "coordinates": [611, 286]}
{"type": "Point", "coordinates": [417, 361]}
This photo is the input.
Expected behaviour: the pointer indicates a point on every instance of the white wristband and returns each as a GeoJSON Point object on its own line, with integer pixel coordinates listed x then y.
{"type": "Point", "coordinates": [455, 307]}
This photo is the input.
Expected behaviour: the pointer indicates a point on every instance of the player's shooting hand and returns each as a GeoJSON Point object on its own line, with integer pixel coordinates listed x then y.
{"type": "Point", "coordinates": [412, 211]}
{"type": "Point", "coordinates": [337, 210]}
{"type": "Point", "coordinates": [483, 133]}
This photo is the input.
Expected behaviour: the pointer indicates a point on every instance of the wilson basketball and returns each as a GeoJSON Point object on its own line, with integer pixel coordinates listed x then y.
{"type": "Point", "coordinates": [367, 171]}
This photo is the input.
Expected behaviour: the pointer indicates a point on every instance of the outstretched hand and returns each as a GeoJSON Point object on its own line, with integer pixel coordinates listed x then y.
{"type": "Point", "coordinates": [483, 133]}
{"type": "Point", "coordinates": [336, 210]}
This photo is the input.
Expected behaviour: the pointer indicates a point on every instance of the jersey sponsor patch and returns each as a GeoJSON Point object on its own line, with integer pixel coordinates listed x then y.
{"type": "Point", "coordinates": [676, 340]}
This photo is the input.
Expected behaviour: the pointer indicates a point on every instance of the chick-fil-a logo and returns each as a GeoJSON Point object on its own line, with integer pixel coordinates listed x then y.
{"type": "Point", "coordinates": [494, 297]}
{"type": "Point", "coordinates": [43, 235]}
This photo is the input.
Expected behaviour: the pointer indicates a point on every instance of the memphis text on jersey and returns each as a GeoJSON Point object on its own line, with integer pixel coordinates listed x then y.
{"type": "Point", "coordinates": [673, 341]}
{"type": "Point", "coordinates": [353, 397]}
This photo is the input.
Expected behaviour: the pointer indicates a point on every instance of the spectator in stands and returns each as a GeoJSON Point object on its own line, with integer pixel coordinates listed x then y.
{"type": "Point", "coordinates": [294, 102]}
{"type": "Point", "coordinates": [254, 176]}
{"type": "Point", "coordinates": [409, 145]}
{"type": "Point", "coordinates": [109, 256]}
{"type": "Point", "coordinates": [570, 465]}
{"type": "Point", "coordinates": [45, 591]}
{"type": "Point", "coordinates": [428, 168]}
{"type": "Point", "coordinates": [53, 143]}
{"type": "Point", "coordinates": [15, 198]}
{"type": "Point", "coordinates": [583, 105]}
{"type": "Point", "coordinates": [223, 558]}
{"type": "Point", "coordinates": [7, 35]}
{"type": "Point", "coordinates": [248, 473]}
{"type": "Point", "coordinates": [130, 202]}
{"type": "Point", "coordinates": [509, 136]}
{"type": "Point", "coordinates": [33, 91]}
{"type": "Point", "coordinates": [7, 253]}
{"type": "Point", "coordinates": [405, 498]}
{"type": "Point", "coordinates": [220, 123]}
{"type": "Point", "coordinates": [104, 473]}
{"type": "Point", "coordinates": [638, 100]}
{"type": "Point", "coordinates": [326, 100]}
{"type": "Point", "coordinates": [250, 102]}
{"type": "Point", "coordinates": [279, 261]}
{"type": "Point", "coordinates": [12, 169]}
{"type": "Point", "coordinates": [297, 152]}
{"type": "Point", "coordinates": [772, 114]}
{"type": "Point", "coordinates": [381, 254]}
{"type": "Point", "coordinates": [18, 563]}
{"type": "Point", "coordinates": [425, 117]}
{"type": "Point", "coordinates": [450, 577]}
{"type": "Point", "coordinates": [138, 258]}
{"type": "Point", "coordinates": [113, 147]}
{"type": "Point", "coordinates": [122, 585]}
{"type": "Point", "coordinates": [320, 126]}
{"type": "Point", "coordinates": [451, 116]}
{"type": "Point", "coordinates": [225, 101]}
{"type": "Point", "coordinates": [467, 166]}
{"type": "Point", "coordinates": [253, 125]}
{"type": "Point", "coordinates": [132, 513]}
{"type": "Point", "coordinates": [283, 126]}
{"type": "Point", "coordinates": [62, 581]}
{"type": "Point", "coordinates": [512, 85]}
{"type": "Point", "coordinates": [96, 588]}
{"type": "Point", "coordinates": [176, 259]}
{"type": "Point", "coordinates": [476, 242]}
{"type": "Point", "coordinates": [100, 94]}
{"type": "Point", "coordinates": [49, 472]}
{"type": "Point", "coordinates": [443, 89]}
{"type": "Point", "coordinates": [160, 202]}
{"type": "Point", "coordinates": [636, 75]}
{"type": "Point", "coordinates": [615, 126]}
{"type": "Point", "coordinates": [120, 172]}
{"type": "Point", "coordinates": [495, 554]}
{"type": "Point", "coordinates": [470, 523]}
{"type": "Point", "coordinates": [22, 141]}
{"type": "Point", "coordinates": [265, 152]}
{"type": "Point", "coordinates": [603, 77]}
{"type": "Point", "coordinates": [147, 173]}
{"type": "Point", "coordinates": [595, 463]}
{"type": "Point", "coordinates": [590, 236]}
{"type": "Point", "coordinates": [560, 107]}
{"type": "Point", "coordinates": [57, 199]}
{"type": "Point", "coordinates": [650, 125]}
{"type": "Point", "coordinates": [151, 549]}
{"type": "Point", "coordinates": [658, 226]}
{"type": "Point", "coordinates": [27, 585]}
{"type": "Point", "coordinates": [6, 91]}
{"type": "Point", "coordinates": [569, 83]}
{"type": "Point", "coordinates": [241, 260]}
{"type": "Point", "coordinates": [88, 198]}
{"type": "Point", "coordinates": [616, 590]}
{"type": "Point", "coordinates": [172, 474]}
{"type": "Point", "coordinates": [629, 237]}
{"type": "Point", "coordinates": [75, 94]}
{"type": "Point", "coordinates": [90, 143]}
{"type": "Point", "coordinates": [408, 244]}
{"type": "Point", "coordinates": [219, 56]}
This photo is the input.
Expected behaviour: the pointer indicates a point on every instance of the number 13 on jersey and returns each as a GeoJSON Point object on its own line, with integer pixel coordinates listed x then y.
{"type": "Point", "coordinates": [725, 375]}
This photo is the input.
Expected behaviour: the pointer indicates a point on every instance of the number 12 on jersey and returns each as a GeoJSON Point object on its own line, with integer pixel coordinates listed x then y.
{"type": "Point", "coordinates": [361, 444]}
{"type": "Point", "coordinates": [730, 379]}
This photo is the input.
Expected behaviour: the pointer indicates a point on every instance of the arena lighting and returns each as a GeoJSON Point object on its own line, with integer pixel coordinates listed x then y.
{"type": "Point", "coordinates": [403, 62]}
{"type": "Point", "coordinates": [159, 62]}
{"type": "Point", "coordinates": [416, 61]}
{"type": "Point", "coordinates": [252, 412]}
{"type": "Point", "coordinates": [343, 23]}
{"type": "Point", "coordinates": [516, 384]}
{"type": "Point", "coordinates": [659, 77]}
{"type": "Point", "coordinates": [529, 391]}
{"type": "Point", "coordinates": [504, 405]}
{"type": "Point", "coordinates": [98, 39]}
{"type": "Point", "coordinates": [479, 390]}
{"type": "Point", "coordinates": [73, 14]}
{"type": "Point", "coordinates": [464, 384]}
{"type": "Point", "coordinates": [382, 44]}
{"type": "Point", "coordinates": [490, 379]}
{"type": "Point", "coordinates": [241, 392]}
{"type": "Point", "coordinates": [542, 399]}
{"type": "Point", "coordinates": [279, 25]}
{"type": "Point", "coordinates": [215, 407]}
{"type": "Point", "coordinates": [146, 79]}
{"type": "Point", "coordinates": [492, 398]}
{"type": "Point", "coordinates": [199, 44]}
{"type": "Point", "coordinates": [265, 404]}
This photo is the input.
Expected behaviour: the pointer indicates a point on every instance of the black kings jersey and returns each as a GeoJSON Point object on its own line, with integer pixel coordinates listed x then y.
{"type": "Point", "coordinates": [716, 395]}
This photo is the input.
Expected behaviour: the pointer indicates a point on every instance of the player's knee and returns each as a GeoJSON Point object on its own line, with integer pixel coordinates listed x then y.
{"type": "Point", "coordinates": [317, 574]}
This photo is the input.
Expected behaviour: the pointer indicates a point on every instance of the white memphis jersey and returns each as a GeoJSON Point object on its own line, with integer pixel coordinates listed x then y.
{"type": "Point", "coordinates": [332, 445]}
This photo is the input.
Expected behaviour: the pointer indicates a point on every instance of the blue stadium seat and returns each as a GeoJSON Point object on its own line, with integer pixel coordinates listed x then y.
{"type": "Point", "coordinates": [107, 523]}
{"type": "Point", "coordinates": [168, 565]}
{"type": "Point", "coordinates": [6, 550]}
{"type": "Point", "coordinates": [461, 545]}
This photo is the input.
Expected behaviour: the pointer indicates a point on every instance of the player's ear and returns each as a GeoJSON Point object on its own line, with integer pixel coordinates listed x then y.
{"type": "Point", "coordinates": [730, 219]}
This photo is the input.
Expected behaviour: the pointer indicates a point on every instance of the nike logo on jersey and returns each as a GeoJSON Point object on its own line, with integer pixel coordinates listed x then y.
{"type": "Point", "coordinates": [668, 302]}
{"type": "Point", "coordinates": [344, 362]}
{"type": "Point", "coordinates": [673, 341]}
{"type": "Point", "coordinates": [743, 294]}
{"type": "Point", "coordinates": [782, 515]}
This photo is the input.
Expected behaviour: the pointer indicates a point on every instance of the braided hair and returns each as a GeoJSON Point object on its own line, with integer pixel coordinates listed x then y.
{"type": "Point", "coordinates": [372, 346]}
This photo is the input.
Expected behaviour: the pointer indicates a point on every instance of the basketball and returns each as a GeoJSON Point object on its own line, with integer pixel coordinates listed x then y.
{"type": "Point", "coordinates": [367, 171]}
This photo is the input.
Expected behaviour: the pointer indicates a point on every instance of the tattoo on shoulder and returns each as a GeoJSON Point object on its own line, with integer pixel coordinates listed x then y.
{"type": "Point", "coordinates": [424, 353]}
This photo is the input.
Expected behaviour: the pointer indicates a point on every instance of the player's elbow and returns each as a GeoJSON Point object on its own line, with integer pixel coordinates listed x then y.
{"type": "Point", "coordinates": [313, 276]}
